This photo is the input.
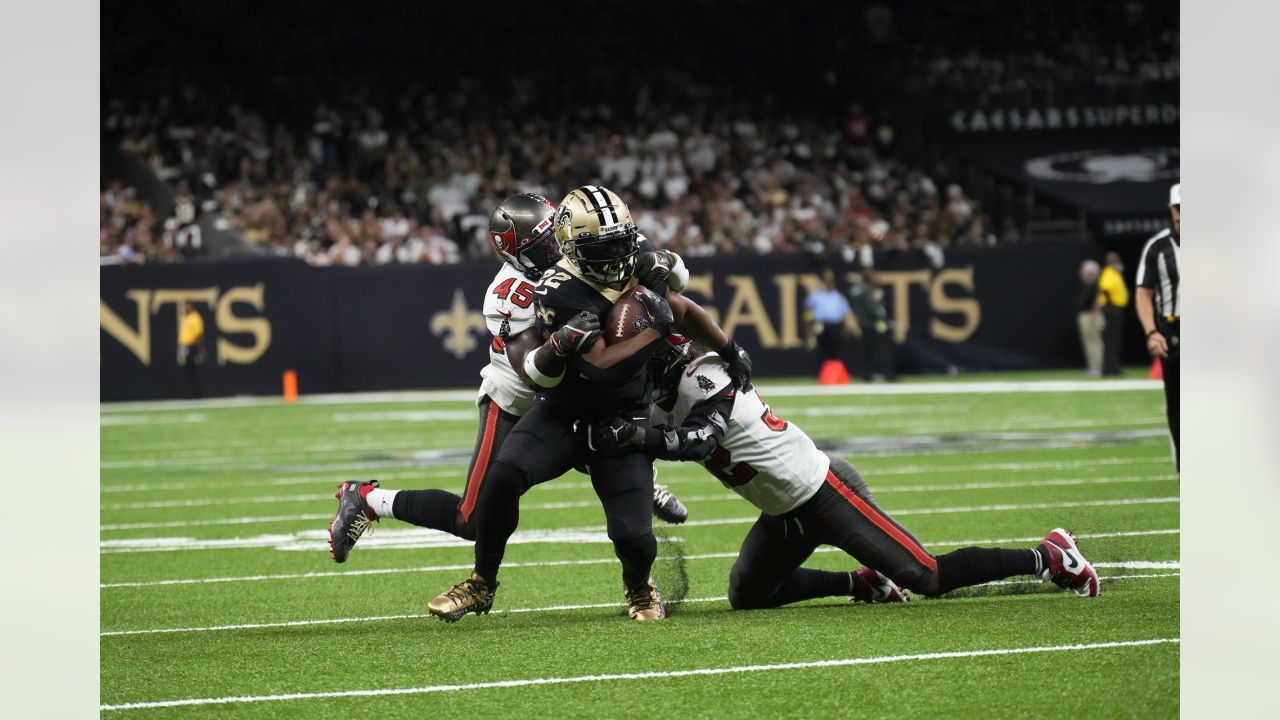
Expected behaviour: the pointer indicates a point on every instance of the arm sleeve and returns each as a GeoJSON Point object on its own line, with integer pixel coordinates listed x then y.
{"type": "Point", "coordinates": [700, 432]}
{"type": "Point", "coordinates": [618, 374]}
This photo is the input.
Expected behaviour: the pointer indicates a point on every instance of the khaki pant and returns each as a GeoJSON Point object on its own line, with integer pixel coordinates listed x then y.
{"type": "Point", "coordinates": [1091, 326]}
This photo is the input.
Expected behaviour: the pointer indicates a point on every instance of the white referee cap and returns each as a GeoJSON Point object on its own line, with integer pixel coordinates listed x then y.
{"type": "Point", "coordinates": [1175, 195]}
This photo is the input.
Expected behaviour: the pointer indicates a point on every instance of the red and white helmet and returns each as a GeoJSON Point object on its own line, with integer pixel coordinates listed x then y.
{"type": "Point", "coordinates": [522, 233]}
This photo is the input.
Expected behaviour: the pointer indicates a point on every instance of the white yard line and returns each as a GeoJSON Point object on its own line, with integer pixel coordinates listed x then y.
{"type": "Point", "coordinates": [250, 499]}
{"type": "Point", "coordinates": [550, 563]}
{"type": "Point", "coordinates": [661, 674]}
{"type": "Point", "coordinates": [767, 389]}
{"type": "Point", "coordinates": [692, 523]}
{"type": "Point", "coordinates": [243, 485]}
{"type": "Point", "coordinates": [551, 608]}
{"type": "Point", "coordinates": [443, 471]}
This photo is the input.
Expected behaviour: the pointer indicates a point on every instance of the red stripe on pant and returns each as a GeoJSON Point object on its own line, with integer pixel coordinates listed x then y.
{"type": "Point", "coordinates": [880, 521]}
{"type": "Point", "coordinates": [481, 467]}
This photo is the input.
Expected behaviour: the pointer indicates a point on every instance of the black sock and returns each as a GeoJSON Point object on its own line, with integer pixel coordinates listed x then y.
{"type": "Point", "coordinates": [435, 509]}
{"type": "Point", "coordinates": [806, 584]}
{"type": "Point", "coordinates": [496, 516]}
{"type": "Point", "coordinates": [637, 555]}
{"type": "Point", "coordinates": [975, 565]}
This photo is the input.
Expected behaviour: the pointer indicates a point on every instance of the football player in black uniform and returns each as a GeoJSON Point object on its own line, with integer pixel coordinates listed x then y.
{"type": "Point", "coordinates": [581, 381]}
{"type": "Point", "coordinates": [523, 237]}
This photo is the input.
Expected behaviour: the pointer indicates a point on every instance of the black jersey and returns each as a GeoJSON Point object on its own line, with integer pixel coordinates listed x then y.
{"type": "Point", "coordinates": [563, 293]}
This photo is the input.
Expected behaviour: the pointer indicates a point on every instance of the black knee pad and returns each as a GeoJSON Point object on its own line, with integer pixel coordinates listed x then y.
{"type": "Point", "coordinates": [505, 479]}
{"type": "Point", "coordinates": [465, 529]}
{"type": "Point", "coordinates": [919, 582]}
{"type": "Point", "coordinates": [741, 595]}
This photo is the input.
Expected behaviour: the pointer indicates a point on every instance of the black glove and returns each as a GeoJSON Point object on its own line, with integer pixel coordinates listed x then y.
{"type": "Point", "coordinates": [739, 364]}
{"type": "Point", "coordinates": [576, 336]}
{"type": "Point", "coordinates": [652, 270]}
{"type": "Point", "coordinates": [660, 317]}
{"type": "Point", "coordinates": [615, 434]}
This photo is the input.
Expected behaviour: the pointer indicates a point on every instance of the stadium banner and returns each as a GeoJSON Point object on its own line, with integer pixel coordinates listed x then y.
{"type": "Point", "coordinates": [1058, 118]}
{"type": "Point", "coordinates": [1120, 180]}
{"type": "Point", "coordinates": [420, 326]}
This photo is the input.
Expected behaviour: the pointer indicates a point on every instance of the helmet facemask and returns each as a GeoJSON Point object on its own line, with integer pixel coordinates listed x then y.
{"type": "Point", "coordinates": [538, 251]}
{"type": "Point", "coordinates": [610, 257]}
{"type": "Point", "coordinates": [666, 366]}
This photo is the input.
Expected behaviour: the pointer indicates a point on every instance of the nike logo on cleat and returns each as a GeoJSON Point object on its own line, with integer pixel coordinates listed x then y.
{"type": "Point", "coordinates": [1069, 560]}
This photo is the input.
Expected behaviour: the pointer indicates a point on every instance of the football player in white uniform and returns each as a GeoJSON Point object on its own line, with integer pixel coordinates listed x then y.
{"type": "Point", "coordinates": [807, 499]}
{"type": "Point", "coordinates": [521, 233]}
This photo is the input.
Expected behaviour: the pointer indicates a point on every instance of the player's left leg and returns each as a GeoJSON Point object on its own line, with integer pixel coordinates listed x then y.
{"type": "Point", "coordinates": [767, 572]}
{"type": "Point", "coordinates": [624, 484]}
{"type": "Point", "coordinates": [363, 502]}
{"type": "Point", "coordinates": [443, 510]}
{"type": "Point", "coordinates": [849, 518]}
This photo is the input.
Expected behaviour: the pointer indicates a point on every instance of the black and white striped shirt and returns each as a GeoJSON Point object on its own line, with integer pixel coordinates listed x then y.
{"type": "Point", "coordinates": [1159, 270]}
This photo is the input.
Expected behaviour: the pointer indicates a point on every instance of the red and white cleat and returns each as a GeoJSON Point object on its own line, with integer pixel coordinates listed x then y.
{"type": "Point", "coordinates": [1067, 567]}
{"type": "Point", "coordinates": [870, 586]}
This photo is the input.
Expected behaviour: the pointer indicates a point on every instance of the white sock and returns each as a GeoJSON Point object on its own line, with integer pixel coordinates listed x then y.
{"type": "Point", "coordinates": [381, 501]}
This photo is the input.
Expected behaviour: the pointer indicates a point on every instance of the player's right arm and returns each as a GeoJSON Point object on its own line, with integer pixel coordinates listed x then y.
{"type": "Point", "coordinates": [601, 364]}
{"type": "Point", "coordinates": [694, 322]}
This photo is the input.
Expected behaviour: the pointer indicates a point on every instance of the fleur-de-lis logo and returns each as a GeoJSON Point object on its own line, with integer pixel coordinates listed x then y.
{"type": "Point", "coordinates": [456, 325]}
{"type": "Point", "coordinates": [546, 314]}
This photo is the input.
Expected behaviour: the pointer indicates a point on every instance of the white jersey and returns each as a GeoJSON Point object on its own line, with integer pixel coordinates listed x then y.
{"type": "Point", "coordinates": [508, 311]}
{"type": "Point", "coordinates": [770, 462]}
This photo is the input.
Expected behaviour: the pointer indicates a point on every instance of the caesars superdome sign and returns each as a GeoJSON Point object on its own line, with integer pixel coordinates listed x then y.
{"type": "Point", "coordinates": [1069, 117]}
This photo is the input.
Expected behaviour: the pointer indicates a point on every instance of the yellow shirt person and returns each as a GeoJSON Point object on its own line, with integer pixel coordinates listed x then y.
{"type": "Point", "coordinates": [1111, 288]}
{"type": "Point", "coordinates": [191, 329]}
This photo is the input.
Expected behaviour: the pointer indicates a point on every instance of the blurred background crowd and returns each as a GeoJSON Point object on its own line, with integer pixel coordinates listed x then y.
{"type": "Point", "coordinates": [395, 149]}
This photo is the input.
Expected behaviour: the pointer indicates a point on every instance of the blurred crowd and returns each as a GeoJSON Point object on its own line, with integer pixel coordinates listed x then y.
{"type": "Point", "coordinates": [343, 189]}
{"type": "Point", "coordinates": [1046, 52]}
{"type": "Point", "coordinates": [351, 159]}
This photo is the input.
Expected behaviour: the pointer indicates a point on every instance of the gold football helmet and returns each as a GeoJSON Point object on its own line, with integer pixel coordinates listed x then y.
{"type": "Point", "coordinates": [596, 232]}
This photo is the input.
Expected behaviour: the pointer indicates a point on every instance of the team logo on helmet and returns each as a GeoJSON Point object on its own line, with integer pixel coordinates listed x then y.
{"type": "Point", "coordinates": [505, 241]}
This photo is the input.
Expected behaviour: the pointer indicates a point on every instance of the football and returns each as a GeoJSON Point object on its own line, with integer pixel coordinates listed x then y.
{"type": "Point", "coordinates": [627, 318]}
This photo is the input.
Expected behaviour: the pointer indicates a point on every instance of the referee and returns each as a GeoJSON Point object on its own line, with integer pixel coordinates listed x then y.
{"type": "Point", "coordinates": [1159, 301]}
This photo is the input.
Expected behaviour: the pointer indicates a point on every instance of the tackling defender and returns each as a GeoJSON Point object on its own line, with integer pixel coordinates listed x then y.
{"type": "Point", "coordinates": [581, 381]}
{"type": "Point", "coordinates": [521, 233]}
{"type": "Point", "coordinates": [808, 499]}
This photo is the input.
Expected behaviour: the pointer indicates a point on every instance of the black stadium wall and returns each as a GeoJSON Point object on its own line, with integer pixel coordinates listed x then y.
{"type": "Point", "coordinates": [419, 326]}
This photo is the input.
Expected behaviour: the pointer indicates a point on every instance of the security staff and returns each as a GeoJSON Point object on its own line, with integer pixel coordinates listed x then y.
{"type": "Point", "coordinates": [191, 345]}
{"type": "Point", "coordinates": [1113, 298]}
{"type": "Point", "coordinates": [1159, 301]}
{"type": "Point", "coordinates": [828, 314]}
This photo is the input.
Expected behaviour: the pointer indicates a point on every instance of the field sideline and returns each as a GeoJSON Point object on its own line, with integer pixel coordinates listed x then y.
{"type": "Point", "coordinates": [219, 598]}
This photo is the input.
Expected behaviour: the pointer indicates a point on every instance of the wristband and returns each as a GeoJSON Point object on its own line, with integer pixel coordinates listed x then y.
{"type": "Point", "coordinates": [678, 280]}
{"type": "Point", "coordinates": [1153, 332]}
{"type": "Point", "coordinates": [538, 378]}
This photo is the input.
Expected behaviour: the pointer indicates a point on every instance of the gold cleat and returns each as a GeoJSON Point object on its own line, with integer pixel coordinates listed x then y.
{"type": "Point", "coordinates": [472, 595]}
{"type": "Point", "coordinates": [644, 603]}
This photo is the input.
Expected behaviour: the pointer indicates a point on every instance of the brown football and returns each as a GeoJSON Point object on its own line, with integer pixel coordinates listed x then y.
{"type": "Point", "coordinates": [627, 318]}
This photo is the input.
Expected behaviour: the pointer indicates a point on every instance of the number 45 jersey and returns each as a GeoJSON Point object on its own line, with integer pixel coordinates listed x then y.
{"type": "Point", "coordinates": [770, 462]}
{"type": "Point", "coordinates": [508, 311]}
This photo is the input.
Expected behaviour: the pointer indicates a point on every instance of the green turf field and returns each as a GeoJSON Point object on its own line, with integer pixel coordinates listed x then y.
{"type": "Point", "coordinates": [217, 583]}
